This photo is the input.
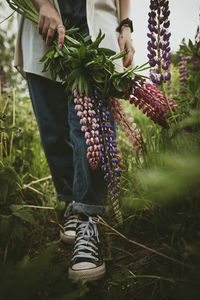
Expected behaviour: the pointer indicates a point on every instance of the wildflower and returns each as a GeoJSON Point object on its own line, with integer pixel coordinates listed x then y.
{"type": "Point", "coordinates": [183, 70]}
{"type": "Point", "coordinates": [158, 45]}
{"type": "Point", "coordinates": [127, 125]}
{"type": "Point", "coordinates": [110, 159]}
{"type": "Point", "coordinates": [150, 100]}
{"type": "Point", "coordinates": [85, 110]}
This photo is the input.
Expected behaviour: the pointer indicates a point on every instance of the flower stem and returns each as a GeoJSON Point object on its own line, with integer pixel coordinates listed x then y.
{"type": "Point", "coordinates": [167, 101]}
{"type": "Point", "coordinates": [13, 125]}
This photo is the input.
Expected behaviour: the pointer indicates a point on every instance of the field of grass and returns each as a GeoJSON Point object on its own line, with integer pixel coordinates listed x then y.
{"type": "Point", "coordinates": [154, 254]}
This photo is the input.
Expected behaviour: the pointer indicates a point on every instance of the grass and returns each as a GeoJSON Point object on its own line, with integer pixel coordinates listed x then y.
{"type": "Point", "coordinates": [154, 255]}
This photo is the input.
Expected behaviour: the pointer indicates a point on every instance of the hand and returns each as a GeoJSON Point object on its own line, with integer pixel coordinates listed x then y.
{"type": "Point", "coordinates": [49, 23]}
{"type": "Point", "coordinates": [126, 43]}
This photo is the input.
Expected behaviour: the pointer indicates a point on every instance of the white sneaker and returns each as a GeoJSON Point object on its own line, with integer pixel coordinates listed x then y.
{"type": "Point", "coordinates": [87, 262]}
{"type": "Point", "coordinates": [69, 233]}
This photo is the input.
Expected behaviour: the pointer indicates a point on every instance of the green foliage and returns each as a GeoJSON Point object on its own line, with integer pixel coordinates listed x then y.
{"type": "Point", "coordinates": [23, 214]}
{"type": "Point", "coordinates": [160, 194]}
{"type": "Point", "coordinates": [161, 191]}
{"type": "Point", "coordinates": [7, 48]}
{"type": "Point", "coordinates": [9, 182]}
{"type": "Point", "coordinates": [190, 95]}
{"type": "Point", "coordinates": [82, 63]}
{"type": "Point", "coordinates": [30, 279]}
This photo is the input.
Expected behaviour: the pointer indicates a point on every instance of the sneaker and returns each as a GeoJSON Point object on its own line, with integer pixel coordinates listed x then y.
{"type": "Point", "coordinates": [68, 233]}
{"type": "Point", "coordinates": [87, 262]}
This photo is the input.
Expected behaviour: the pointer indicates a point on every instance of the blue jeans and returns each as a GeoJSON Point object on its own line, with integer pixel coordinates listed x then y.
{"type": "Point", "coordinates": [65, 147]}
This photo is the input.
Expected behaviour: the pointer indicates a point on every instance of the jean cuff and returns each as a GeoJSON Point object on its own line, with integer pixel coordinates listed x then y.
{"type": "Point", "coordinates": [66, 198]}
{"type": "Point", "coordinates": [91, 210]}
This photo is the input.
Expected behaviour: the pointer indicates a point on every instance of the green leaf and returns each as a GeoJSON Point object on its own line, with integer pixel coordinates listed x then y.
{"type": "Point", "coordinates": [72, 41]}
{"type": "Point", "coordinates": [85, 88]}
{"type": "Point", "coordinates": [48, 54]}
{"type": "Point", "coordinates": [74, 74]}
{"type": "Point", "coordinates": [72, 30]}
{"type": "Point", "coordinates": [47, 65]}
{"type": "Point", "coordinates": [53, 73]}
{"type": "Point", "coordinates": [8, 173]}
{"type": "Point", "coordinates": [74, 85]}
{"type": "Point", "coordinates": [4, 190]}
{"type": "Point", "coordinates": [98, 40]}
{"type": "Point", "coordinates": [5, 224]}
{"type": "Point", "coordinates": [87, 38]}
{"type": "Point", "coordinates": [119, 55]}
{"type": "Point", "coordinates": [89, 63]}
{"type": "Point", "coordinates": [82, 51]}
{"type": "Point", "coordinates": [191, 45]}
{"type": "Point", "coordinates": [22, 213]}
{"type": "Point", "coordinates": [56, 55]}
{"type": "Point", "coordinates": [106, 51]}
{"type": "Point", "coordinates": [147, 68]}
{"type": "Point", "coordinates": [59, 51]}
{"type": "Point", "coordinates": [140, 68]}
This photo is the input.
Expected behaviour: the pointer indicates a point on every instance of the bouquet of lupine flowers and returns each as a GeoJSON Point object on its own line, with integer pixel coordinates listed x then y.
{"type": "Point", "coordinates": [89, 72]}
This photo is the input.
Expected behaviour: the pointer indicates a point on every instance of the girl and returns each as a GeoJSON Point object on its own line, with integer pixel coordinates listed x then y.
{"type": "Point", "coordinates": [83, 190]}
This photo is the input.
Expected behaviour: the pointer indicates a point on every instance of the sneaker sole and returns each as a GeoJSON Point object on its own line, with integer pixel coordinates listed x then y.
{"type": "Point", "coordinates": [68, 239]}
{"type": "Point", "coordinates": [89, 275]}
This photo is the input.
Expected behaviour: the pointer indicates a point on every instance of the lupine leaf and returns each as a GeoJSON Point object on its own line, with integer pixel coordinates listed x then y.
{"type": "Point", "coordinates": [106, 51]}
{"type": "Point", "coordinates": [22, 213]}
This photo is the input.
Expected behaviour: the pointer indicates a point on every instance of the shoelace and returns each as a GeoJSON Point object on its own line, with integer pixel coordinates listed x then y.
{"type": "Point", "coordinates": [71, 222]}
{"type": "Point", "coordinates": [70, 218]}
{"type": "Point", "coordinates": [86, 240]}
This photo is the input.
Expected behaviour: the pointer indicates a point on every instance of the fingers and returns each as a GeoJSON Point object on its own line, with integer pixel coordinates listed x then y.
{"type": "Point", "coordinates": [128, 59]}
{"type": "Point", "coordinates": [49, 23]}
{"type": "Point", "coordinates": [45, 29]}
{"type": "Point", "coordinates": [48, 30]}
{"type": "Point", "coordinates": [125, 43]}
{"type": "Point", "coordinates": [50, 35]}
{"type": "Point", "coordinates": [40, 24]}
{"type": "Point", "coordinates": [61, 35]}
{"type": "Point", "coordinates": [121, 44]}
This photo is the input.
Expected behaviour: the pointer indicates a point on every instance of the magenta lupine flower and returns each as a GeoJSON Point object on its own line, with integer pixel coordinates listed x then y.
{"type": "Point", "coordinates": [127, 125]}
{"type": "Point", "coordinates": [110, 159]}
{"type": "Point", "coordinates": [158, 45]}
{"type": "Point", "coordinates": [183, 70]}
{"type": "Point", "coordinates": [150, 100]}
{"type": "Point", "coordinates": [85, 110]}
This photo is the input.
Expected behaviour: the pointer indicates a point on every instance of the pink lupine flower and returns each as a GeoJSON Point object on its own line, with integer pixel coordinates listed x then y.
{"type": "Point", "coordinates": [127, 125]}
{"type": "Point", "coordinates": [150, 100]}
{"type": "Point", "coordinates": [86, 112]}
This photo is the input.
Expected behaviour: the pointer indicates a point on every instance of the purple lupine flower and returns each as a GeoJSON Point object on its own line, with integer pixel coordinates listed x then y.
{"type": "Point", "coordinates": [150, 100]}
{"type": "Point", "coordinates": [183, 71]}
{"type": "Point", "coordinates": [195, 62]}
{"type": "Point", "coordinates": [158, 46]}
{"type": "Point", "coordinates": [110, 159]}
